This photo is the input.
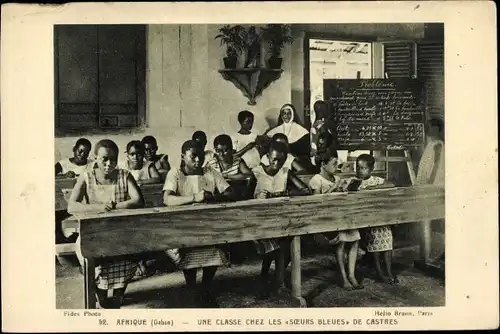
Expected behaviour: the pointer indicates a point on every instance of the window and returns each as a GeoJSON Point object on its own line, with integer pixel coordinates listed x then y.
{"type": "Point", "coordinates": [99, 77]}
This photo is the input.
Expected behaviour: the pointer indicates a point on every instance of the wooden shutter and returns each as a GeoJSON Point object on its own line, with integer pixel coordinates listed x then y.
{"type": "Point", "coordinates": [398, 60]}
{"type": "Point", "coordinates": [430, 69]}
{"type": "Point", "coordinates": [100, 77]}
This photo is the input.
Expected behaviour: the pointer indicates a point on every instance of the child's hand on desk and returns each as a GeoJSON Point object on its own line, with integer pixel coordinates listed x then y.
{"type": "Point", "coordinates": [263, 195]}
{"type": "Point", "coordinates": [70, 175]}
{"type": "Point", "coordinates": [110, 206]}
{"type": "Point", "coordinates": [199, 197]}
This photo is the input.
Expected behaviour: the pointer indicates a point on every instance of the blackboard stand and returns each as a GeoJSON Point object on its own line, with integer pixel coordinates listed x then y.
{"type": "Point", "coordinates": [432, 268]}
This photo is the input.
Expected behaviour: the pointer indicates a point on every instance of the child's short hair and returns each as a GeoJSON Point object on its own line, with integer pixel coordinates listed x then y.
{"type": "Point", "coordinates": [318, 104]}
{"type": "Point", "coordinates": [150, 140]}
{"type": "Point", "coordinates": [223, 140]}
{"type": "Point", "coordinates": [370, 160]}
{"type": "Point", "coordinates": [137, 144]}
{"type": "Point", "coordinates": [190, 145]}
{"type": "Point", "coordinates": [326, 156]}
{"type": "Point", "coordinates": [199, 135]}
{"type": "Point", "coordinates": [278, 147]}
{"type": "Point", "coordinates": [106, 143]}
{"type": "Point", "coordinates": [83, 142]}
{"type": "Point", "coordinates": [278, 136]}
{"type": "Point", "coordinates": [242, 115]}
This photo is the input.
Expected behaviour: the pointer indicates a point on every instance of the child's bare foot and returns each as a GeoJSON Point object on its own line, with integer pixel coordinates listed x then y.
{"type": "Point", "coordinates": [346, 285]}
{"type": "Point", "coordinates": [393, 280]}
{"type": "Point", "coordinates": [355, 284]}
{"type": "Point", "coordinates": [381, 278]}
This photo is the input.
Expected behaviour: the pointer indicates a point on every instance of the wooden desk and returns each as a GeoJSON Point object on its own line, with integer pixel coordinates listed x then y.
{"type": "Point", "coordinates": [144, 230]}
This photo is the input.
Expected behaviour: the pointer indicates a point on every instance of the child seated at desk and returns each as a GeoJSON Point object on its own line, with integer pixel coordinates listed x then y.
{"type": "Point", "coordinates": [291, 163]}
{"type": "Point", "coordinates": [201, 138]}
{"type": "Point", "coordinates": [192, 183]}
{"type": "Point", "coordinates": [143, 171]}
{"type": "Point", "coordinates": [380, 237]}
{"type": "Point", "coordinates": [275, 180]}
{"type": "Point", "coordinates": [326, 182]}
{"type": "Point", "coordinates": [106, 188]}
{"type": "Point", "coordinates": [226, 162]}
{"type": "Point", "coordinates": [160, 160]}
{"type": "Point", "coordinates": [77, 164]}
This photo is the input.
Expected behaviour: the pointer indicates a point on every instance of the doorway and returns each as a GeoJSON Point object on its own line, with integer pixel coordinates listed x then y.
{"type": "Point", "coordinates": [333, 59]}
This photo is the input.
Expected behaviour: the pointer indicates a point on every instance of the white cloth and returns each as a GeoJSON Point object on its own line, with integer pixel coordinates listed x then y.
{"type": "Point", "coordinates": [273, 184]}
{"type": "Point", "coordinates": [292, 130]}
{"type": "Point", "coordinates": [68, 166]}
{"type": "Point", "coordinates": [186, 185]}
{"type": "Point", "coordinates": [240, 141]}
{"type": "Point", "coordinates": [139, 174]}
{"type": "Point", "coordinates": [252, 158]}
{"type": "Point", "coordinates": [319, 183]}
{"type": "Point", "coordinates": [371, 182]}
{"type": "Point", "coordinates": [288, 162]}
{"type": "Point", "coordinates": [427, 164]}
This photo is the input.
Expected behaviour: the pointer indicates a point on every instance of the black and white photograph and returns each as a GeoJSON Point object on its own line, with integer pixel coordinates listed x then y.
{"type": "Point", "coordinates": [249, 165]}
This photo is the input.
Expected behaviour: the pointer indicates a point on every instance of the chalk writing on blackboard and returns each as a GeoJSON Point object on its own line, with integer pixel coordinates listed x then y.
{"type": "Point", "coordinates": [376, 113]}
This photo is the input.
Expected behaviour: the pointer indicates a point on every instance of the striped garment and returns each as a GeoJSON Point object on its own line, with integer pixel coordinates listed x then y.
{"type": "Point", "coordinates": [114, 274]}
{"type": "Point", "coordinates": [217, 165]}
{"type": "Point", "coordinates": [186, 185]}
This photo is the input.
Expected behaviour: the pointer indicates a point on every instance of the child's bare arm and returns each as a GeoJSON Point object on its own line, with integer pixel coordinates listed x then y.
{"type": "Point", "coordinates": [245, 150]}
{"type": "Point", "coordinates": [171, 199]}
{"type": "Point", "coordinates": [136, 200]}
{"type": "Point", "coordinates": [75, 204]}
{"type": "Point", "coordinates": [154, 176]}
{"type": "Point", "coordinates": [297, 167]}
{"type": "Point", "coordinates": [298, 188]}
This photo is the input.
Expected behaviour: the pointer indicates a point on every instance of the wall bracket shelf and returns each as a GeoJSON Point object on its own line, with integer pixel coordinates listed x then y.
{"type": "Point", "coordinates": [251, 81]}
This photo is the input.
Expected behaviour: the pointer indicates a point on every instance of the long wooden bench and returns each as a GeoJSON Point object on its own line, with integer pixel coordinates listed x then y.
{"type": "Point", "coordinates": [153, 229]}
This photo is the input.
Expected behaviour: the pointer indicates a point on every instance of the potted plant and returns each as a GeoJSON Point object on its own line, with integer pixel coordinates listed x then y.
{"type": "Point", "coordinates": [252, 40]}
{"type": "Point", "coordinates": [232, 37]}
{"type": "Point", "coordinates": [277, 35]}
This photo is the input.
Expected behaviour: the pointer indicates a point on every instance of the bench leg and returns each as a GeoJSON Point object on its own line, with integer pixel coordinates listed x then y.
{"type": "Point", "coordinates": [296, 272]}
{"type": "Point", "coordinates": [89, 284]}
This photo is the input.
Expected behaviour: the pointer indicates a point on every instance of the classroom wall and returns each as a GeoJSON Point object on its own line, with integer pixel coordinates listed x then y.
{"type": "Point", "coordinates": [185, 91]}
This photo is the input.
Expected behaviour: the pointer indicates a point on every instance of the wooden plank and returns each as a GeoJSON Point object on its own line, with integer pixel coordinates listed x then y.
{"type": "Point", "coordinates": [143, 230]}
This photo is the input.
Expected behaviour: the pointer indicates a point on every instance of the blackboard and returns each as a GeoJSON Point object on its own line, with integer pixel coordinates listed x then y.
{"type": "Point", "coordinates": [376, 114]}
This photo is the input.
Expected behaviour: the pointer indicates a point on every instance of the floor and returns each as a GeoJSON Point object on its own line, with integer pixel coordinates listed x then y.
{"type": "Point", "coordinates": [235, 287]}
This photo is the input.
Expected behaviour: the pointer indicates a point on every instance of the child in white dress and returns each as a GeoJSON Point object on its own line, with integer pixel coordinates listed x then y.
{"type": "Point", "coordinates": [104, 188]}
{"type": "Point", "coordinates": [192, 183]}
{"type": "Point", "coordinates": [380, 237]}
{"type": "Point", "coordinates": [291, 163]}
{"type": "Point", "coordinates": [160, 161]}
{"type": "Point", "coordinates": [76, 165]}
{"type": "Point", "coordinates": [144, 171]}
{"type": "Point", "coordinates": [326, 182]}
{"type": "Point", "coordinates": [244, 141]}
{"type": "Point", "coordinates": [275, 180]}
